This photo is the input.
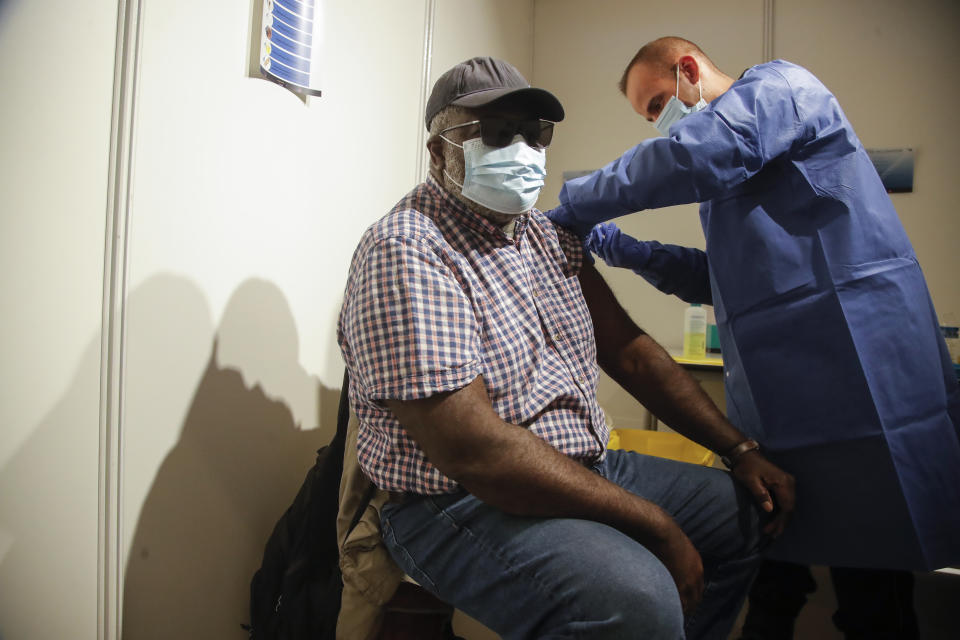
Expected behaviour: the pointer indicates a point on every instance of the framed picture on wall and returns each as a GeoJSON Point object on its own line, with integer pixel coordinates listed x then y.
{"type": "Point", "coordinates": [895, 167]}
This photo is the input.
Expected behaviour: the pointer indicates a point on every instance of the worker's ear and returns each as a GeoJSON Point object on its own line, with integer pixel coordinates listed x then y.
{"type": "Point", "coordinates": [437, 161]}
{"type": "Point", "coordinates": [689, 68]}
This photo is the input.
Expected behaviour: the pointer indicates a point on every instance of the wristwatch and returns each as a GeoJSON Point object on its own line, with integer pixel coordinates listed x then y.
{"type": "Point", "coordinates": [730, 459]}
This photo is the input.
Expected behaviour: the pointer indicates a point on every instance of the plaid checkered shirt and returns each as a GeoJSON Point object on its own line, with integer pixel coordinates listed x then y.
{"type": "Point", "coordinates": [437, 296]}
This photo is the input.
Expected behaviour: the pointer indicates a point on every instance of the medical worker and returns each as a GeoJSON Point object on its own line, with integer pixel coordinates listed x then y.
{"type": "Point", "coordinates": [833, 359]}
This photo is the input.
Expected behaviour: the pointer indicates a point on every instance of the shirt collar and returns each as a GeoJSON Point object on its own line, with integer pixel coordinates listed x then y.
{"type": "Point", "coordinates": [456, 210]}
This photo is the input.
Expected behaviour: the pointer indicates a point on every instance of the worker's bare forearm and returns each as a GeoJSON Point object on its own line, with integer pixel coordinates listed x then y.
{"type": "Point", "coordinates": [529, 477]}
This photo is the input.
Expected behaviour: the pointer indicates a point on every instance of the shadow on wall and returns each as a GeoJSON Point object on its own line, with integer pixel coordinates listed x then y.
{"type": "Point", "coordinates": [216, 496]}
{"type": "Point", "coordinates": [49, 488]}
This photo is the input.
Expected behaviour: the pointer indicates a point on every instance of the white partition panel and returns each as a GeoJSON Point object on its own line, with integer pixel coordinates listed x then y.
{"type": "Point", "coordinates": [57, 79]}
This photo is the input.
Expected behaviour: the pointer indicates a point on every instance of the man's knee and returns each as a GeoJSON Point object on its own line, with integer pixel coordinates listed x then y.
{"type": "Point", "coordinates": [641, 606]}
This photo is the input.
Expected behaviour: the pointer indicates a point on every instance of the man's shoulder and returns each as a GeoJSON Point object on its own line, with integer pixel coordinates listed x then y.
{"type": "Point", "coordinates": [408, 229]}
{"type": "Point", "coordinates": [558, 241]}
{"type": "Point", "coordinates": [544, 225]}
{"type": "Point", "coordinates": [414, 217]}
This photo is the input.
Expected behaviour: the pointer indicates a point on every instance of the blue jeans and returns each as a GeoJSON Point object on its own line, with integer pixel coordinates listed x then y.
{"type": "Point", "coordinates": [565, 578]}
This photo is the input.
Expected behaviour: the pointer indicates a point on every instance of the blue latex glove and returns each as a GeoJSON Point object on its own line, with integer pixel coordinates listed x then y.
{"type": "Point", "coordinates": [563, 217]}
{"type": "Point", "coordinates": [616, 248]}
{"type": "Point", "coordinates": [675, 270]}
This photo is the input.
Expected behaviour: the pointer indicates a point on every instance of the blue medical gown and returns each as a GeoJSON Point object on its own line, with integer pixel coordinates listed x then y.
{"type": "Point", "coordinates": [832, 353]}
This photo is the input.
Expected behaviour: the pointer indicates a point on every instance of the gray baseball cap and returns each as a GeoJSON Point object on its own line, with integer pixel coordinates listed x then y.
{"type": "Point", "coordinates": [482, 81]}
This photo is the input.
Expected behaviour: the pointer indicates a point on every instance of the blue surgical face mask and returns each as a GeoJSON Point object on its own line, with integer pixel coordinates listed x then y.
{"type": "Point", "coordinates": [503, 179]}
{"type": "Point", "coordinates": [675, 109]}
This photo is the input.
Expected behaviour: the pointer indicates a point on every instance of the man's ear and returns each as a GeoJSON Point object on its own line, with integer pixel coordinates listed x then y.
{"type": "Point", "coordinates": [689, 68]}
{"type": "Point", "coordinates": [435, 147]}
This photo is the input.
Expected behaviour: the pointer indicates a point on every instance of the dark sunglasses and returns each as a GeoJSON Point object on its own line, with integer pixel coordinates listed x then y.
{"type": "Point", "coordinates": [499, 132]}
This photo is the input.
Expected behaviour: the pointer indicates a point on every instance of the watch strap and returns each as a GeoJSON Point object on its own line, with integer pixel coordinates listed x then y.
{"type": "Point", "coordinates": [731, 457]}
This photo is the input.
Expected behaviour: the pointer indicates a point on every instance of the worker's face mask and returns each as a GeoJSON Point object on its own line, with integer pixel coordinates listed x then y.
{"type": "Point", "coordinates": [503, 179]}
{"type": "Point", "coordinates": [675, 109]}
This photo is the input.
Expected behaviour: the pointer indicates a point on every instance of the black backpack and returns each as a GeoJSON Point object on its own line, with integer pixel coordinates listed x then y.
{"type": "Point", "coordinates": [295, 594]}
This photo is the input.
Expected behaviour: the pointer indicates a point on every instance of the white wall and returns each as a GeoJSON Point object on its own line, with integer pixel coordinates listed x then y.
{"type": "Point", "coordinates": [57, 81]}
{"type": "Point", "coordinates": [499, 28]}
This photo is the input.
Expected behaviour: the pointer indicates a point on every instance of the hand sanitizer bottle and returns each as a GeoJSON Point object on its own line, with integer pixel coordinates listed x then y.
{"type": "Point", "coordinates": [695, 332]}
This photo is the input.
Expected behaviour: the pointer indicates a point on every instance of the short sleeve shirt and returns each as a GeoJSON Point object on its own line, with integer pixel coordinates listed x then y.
{"type": "Point", "coordinates": [436, 296]}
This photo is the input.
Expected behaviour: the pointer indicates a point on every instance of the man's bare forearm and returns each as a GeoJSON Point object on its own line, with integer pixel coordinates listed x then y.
{"type": "Point", "coordinates": [514, 470]}
{"type": "Point", "coordinates": [668, 391]}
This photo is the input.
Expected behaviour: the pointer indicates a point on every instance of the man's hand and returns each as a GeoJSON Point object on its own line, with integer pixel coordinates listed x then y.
{"type": "Point", "coordinates": [761, 477]}
{"type": "Point", "coordinates": [683, 562]}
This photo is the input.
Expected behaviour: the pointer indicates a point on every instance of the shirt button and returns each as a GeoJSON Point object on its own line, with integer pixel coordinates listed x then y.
{"type": "Point", "coordinates": [556, 337]}
{"type": "Point", "coordinates": [581, 379]}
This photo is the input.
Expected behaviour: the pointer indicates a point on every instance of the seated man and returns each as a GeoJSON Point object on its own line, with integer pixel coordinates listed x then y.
{"type": "Point", "coordinates": [472, 329]}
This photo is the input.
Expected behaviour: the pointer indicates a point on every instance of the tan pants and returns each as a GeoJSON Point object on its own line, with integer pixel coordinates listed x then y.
{"type": "Point", "coordinates": [370, 576]}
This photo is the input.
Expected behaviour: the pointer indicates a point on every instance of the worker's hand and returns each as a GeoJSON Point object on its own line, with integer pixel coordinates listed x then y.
{"type": "Point", "coordinates": [617, 248]}
{"type": "Point", "coordinates": [761, 477]}
{"type": "Point", "coordinates": [683, 562]}
{"type": "Point", "coordinates": [562, 215]}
